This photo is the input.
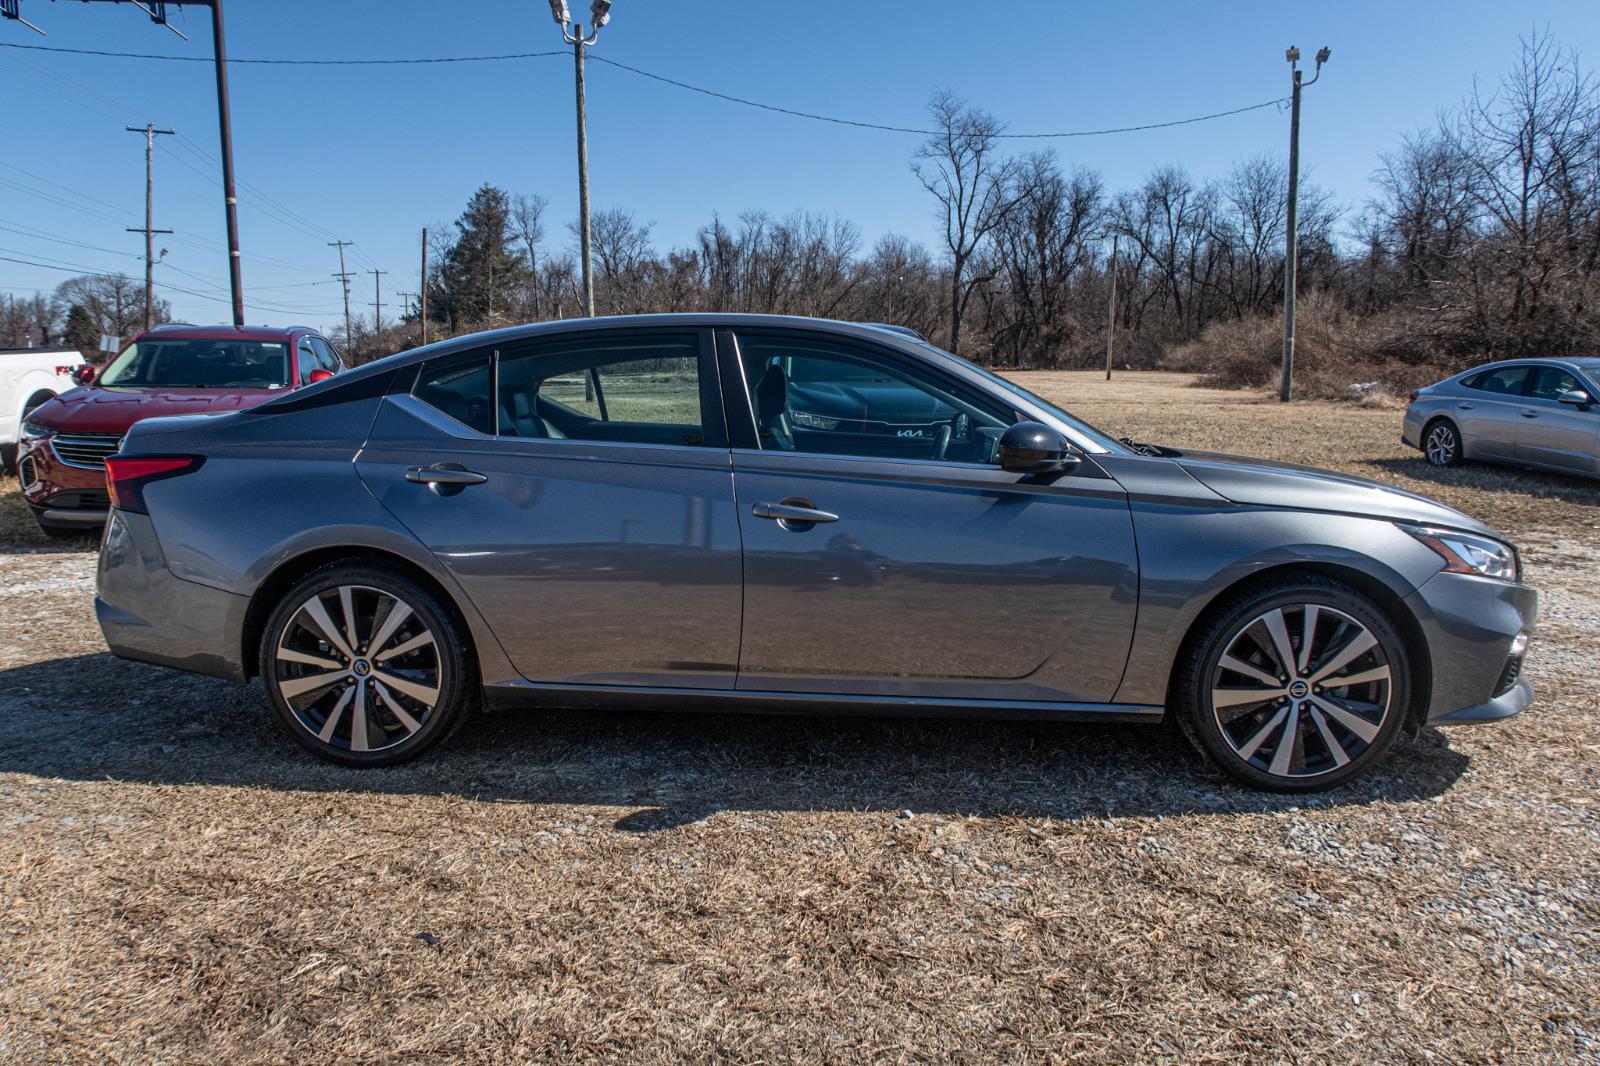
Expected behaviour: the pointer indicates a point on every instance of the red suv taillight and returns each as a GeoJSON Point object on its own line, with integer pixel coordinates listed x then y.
{"type": "Point", "coordinates": [126, 477]}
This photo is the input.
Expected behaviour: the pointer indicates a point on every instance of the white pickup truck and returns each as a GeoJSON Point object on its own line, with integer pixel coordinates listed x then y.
{"type": "Point", "coordinates": [29, 377]}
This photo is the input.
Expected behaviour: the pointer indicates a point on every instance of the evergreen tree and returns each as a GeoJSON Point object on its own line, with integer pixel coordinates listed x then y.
{"type": "Point", "coordinates": [83, 332]}
{"type": "Point", "coordinates": [482, 273]}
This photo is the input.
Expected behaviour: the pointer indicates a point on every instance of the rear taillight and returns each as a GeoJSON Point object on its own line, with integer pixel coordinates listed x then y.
{"type": "Point", "coordinates": [127, 476]}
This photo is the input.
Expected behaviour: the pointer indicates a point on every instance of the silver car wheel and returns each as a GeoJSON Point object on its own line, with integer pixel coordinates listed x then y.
{"type": "Point", "coordinates": [1441, 445]}
{"type": "Point", "coordinates": [358, 668]}
{"type": "Point", "coordinates": [1301, 690]}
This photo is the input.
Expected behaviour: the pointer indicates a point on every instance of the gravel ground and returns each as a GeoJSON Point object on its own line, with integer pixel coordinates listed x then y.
{"type": "Point", "coordinates": [178, 883]}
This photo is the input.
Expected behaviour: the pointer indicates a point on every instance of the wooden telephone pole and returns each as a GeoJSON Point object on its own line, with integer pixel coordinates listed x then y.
{"type": "Point", "coordinates": [150, 133]}
{"type": "Point", "coordinates": [344, 277]}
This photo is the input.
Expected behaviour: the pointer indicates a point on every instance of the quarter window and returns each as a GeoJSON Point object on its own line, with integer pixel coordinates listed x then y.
{"type": "Point", "coordinates": [1551, 381]}
{"type": "Point", "coordinates": [813, 395]}
{"type": "Point", "coordinates": [461, 389]}
{"type": "Point", "coordinates": [1506, 380]}
{"type": "Point", "coordinates": [636, 389]}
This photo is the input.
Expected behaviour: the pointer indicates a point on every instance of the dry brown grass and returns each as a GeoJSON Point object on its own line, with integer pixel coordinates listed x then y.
{"type": "Point", "coordinates": [179, 884]}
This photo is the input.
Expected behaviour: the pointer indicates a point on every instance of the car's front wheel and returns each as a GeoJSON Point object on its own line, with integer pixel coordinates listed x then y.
{"type": "Point", "coordinates": [1297, 686]}
{"type": "Point", "coordinates": [366, 667]}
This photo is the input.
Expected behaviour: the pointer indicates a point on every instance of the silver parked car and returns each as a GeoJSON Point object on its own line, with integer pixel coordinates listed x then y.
{"type": "Point", "coordinates": [1542, 413]}
{"type": "Point", "coordinates": [714, 511]}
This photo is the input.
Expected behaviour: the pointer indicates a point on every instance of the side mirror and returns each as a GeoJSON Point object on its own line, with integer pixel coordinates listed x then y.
{"type": "Point", "coordinates": [317, 375]}
{"type": "Point", "coordinates": [1577, 398]}
{"type": "Point", "coordinates": [1035, 448]}
{"type": "Point", "coordinates": [83, 375]}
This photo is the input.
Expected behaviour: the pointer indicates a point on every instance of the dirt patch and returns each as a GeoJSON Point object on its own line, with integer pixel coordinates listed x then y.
{"type": "Point", "coordinates": [178, 883]}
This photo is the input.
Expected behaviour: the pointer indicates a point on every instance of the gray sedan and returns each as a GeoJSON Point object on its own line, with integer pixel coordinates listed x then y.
{"type": "Point", "coordinates": [784, 514]}
{"type": "Point", "coordinates": [1542, 413]}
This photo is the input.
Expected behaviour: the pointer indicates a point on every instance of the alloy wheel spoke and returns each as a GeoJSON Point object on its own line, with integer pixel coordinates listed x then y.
{"type": "Point", "coordinates": [411, 724]}
{"type": "Point", "coordinates": [358, 721]}
{"type": "Point", "coordinates": [421, 693]}
{"type": "Point", "coordinates": [1222, 698]}
{"type": "Point", "coordinates": [1239, 666]}
{"type": "Point", "coordinates": [299, 686]}
{"type": "Point", "coordinates": [420, 640]}
{"type": "Point", "coordinates": [1278, 630]}
{"type": "Point", "coordinates": [1376, 673]}
{"type": "Point", "coordinates": [1362, 728]}
{"type": "Point", "coordinates": [347, 606]}
{"type": "Point", "coordinates": [1283, 754]}
{"type": "Point", "coordinates": [1357, 645]}
{"type": "Point", "coordinates": [397, 616]}
{"type": "Point", "coordinates": [334, 715]}
{"type": "Point", "coordinates": [290, 655]}
{"type": "Point", "coordinates": [1335, 749]}
{"type": "Point", "coordinates": [318, 614]}
{"type": "Point", "coordinates": [1249, 747]}
{"type": "Point", "coordinates": [1308, 631]}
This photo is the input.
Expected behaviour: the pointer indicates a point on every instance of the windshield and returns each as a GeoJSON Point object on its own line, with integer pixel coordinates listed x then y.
{"type": "Point", "coordinates": [1108, 443]}
{"type": "Point", "coordinates": [178, 363]}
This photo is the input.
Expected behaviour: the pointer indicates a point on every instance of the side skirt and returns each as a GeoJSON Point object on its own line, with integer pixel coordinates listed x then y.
{"type": "Point", "coordinates": [511, 695]}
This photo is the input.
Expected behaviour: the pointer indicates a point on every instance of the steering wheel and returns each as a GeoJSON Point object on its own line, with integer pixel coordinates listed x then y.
{"type": "Point", "coordinates": [941, 441]}
{"type": "Point", "coordinates": [959, 426]}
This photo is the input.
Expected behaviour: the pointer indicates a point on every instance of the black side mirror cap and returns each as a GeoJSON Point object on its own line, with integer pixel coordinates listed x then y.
{"type": "Point", "coordinates": [1035, 448]}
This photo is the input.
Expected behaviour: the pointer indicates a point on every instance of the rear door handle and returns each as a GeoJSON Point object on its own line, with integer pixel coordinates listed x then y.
{"type": "Point", "coordinates": [792, 511]}
{"type": "Point", "coordinates": [445, 479]}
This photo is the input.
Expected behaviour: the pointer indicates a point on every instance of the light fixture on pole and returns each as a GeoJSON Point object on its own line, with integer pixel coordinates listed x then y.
{"type": "Point", "coordinates": [572, 33]}
{"type": "Point", "coordinates": [1291, 234]}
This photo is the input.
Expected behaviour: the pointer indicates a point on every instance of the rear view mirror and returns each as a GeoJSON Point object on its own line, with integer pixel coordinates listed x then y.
{"type": "Point", "coordinates": [1035, 448]}
{"type": "Point", "coordinates": [83, 375]}
{"type": "Point", "coordinates": [1577, 398]}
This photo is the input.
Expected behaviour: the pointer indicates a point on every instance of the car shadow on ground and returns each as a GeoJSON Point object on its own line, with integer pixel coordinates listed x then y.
{"type": "Point", "coordinates": [95, 717]}
{"type": "Point", "coordinates": [1494, 478]}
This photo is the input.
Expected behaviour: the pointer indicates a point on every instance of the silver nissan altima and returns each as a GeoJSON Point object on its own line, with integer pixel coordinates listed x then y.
{"type": "Point", "coordinates": [742, 511]}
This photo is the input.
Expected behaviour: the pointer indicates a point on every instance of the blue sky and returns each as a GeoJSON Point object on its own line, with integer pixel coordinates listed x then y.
{"type": "Point", "coordinates": [372, 154]}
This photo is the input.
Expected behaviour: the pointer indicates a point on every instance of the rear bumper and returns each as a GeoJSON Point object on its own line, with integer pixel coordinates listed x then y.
{"type": "Point", "coordinates": [1471, 624]}
{"type": "Point", "coordinates": [151, 616]}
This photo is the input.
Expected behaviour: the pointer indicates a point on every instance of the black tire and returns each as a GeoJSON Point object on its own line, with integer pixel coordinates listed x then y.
{"type": "Point", "coordinates": [1242, 625]}
{"type": "Point", "coordinates": [1441, 443]}
{"type": "Point", "coordinates": [8, 458]}
{"type": "Point", "coordinates": [451, 670]}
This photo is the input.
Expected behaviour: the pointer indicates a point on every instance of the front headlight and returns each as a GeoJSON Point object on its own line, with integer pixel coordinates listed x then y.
{"type": "Point", "coordinates": [810, 421]}
{"type": "Point", "coordinates": [34, 431]}
{"type": "Point", "coordinates": [1467, 553]}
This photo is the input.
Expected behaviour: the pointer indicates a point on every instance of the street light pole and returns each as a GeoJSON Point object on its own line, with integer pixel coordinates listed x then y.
{"type": "Point", "coordinates": [572, 33]}
{"type": "Point", "coordinates": [1291, 233]}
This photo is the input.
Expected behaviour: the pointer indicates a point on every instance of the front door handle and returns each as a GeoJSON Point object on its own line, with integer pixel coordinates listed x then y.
{"type": "Point", "coordinates": [1526, 413]}
{"type": "Point", "coordinates": [445, 479]}
{"type": "Point", "coordinates": [793, 513]}
{"type": "Point", "coordinates": [1464, 406]}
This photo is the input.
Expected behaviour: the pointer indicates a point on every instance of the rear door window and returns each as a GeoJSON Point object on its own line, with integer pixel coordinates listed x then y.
{"type": "Point", "coordinates": [1505, 380]}
{"type": "Point", "coordinates": [460, 388]}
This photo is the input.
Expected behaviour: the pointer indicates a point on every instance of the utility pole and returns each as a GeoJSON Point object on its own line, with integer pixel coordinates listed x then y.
{"type": "Point", "coordinates": [1291, 239]}
{"type": "Point", "coordinates": [572, 33]}
{"type": "Point", "coordinates": [1111, 312]}
{"type": "Point", "coordinates": [405, 303]}
{"type": "Point", "coordinates": [344, 277]}
{"type": "Point", "coordinates": [424, 294]}
{"type": "Point", "coordinates": [157, 10]}
{"type": "Point", "coordinates": [150, 133]}
{"type": "Point", "coordinates": [377, 299]}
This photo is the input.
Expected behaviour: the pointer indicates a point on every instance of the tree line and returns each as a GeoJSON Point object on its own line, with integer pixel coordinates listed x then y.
{"type": "Point", "coordinates": [1480, 238]}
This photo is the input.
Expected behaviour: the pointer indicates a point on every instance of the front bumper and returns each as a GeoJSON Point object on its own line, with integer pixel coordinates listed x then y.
{"type": "Point", "coordinates": [59, 492]}
{"type": "Point", "coordinates": [1471, 625]}
{"type": "Point", "coordinates": [149, 615]}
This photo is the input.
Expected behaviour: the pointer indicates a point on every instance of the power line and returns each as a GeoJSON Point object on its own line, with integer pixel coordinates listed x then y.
{"type": "Point", "coordinates": [728, 97]}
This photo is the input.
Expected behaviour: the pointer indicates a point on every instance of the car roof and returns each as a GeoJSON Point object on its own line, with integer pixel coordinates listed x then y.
{"type": "Point", "coordinates": [182, 330]}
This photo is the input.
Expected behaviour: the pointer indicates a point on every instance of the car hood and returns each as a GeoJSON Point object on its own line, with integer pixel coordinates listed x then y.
{"type": "Point", "coordinates": [1265, 483]}
{"type": "Point", "coordinates": [101, 409]}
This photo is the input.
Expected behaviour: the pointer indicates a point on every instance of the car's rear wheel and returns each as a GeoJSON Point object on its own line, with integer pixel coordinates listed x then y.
{"type": "Point", "coordinates": [1296, 686]}
{"type": "Point", "coordinates": [366, 667]}
{"type": "Point", "coordinates": [1441, 442]}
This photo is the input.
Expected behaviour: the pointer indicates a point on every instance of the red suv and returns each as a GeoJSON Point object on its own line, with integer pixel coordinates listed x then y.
{"type": "Point", "coordinates": [172, 369]}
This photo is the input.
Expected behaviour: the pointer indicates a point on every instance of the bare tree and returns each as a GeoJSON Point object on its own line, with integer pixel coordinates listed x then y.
{"type": "Point", "coordinates": [975, 189]}
{"type": "Point", "coordinates": [527, 222]}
